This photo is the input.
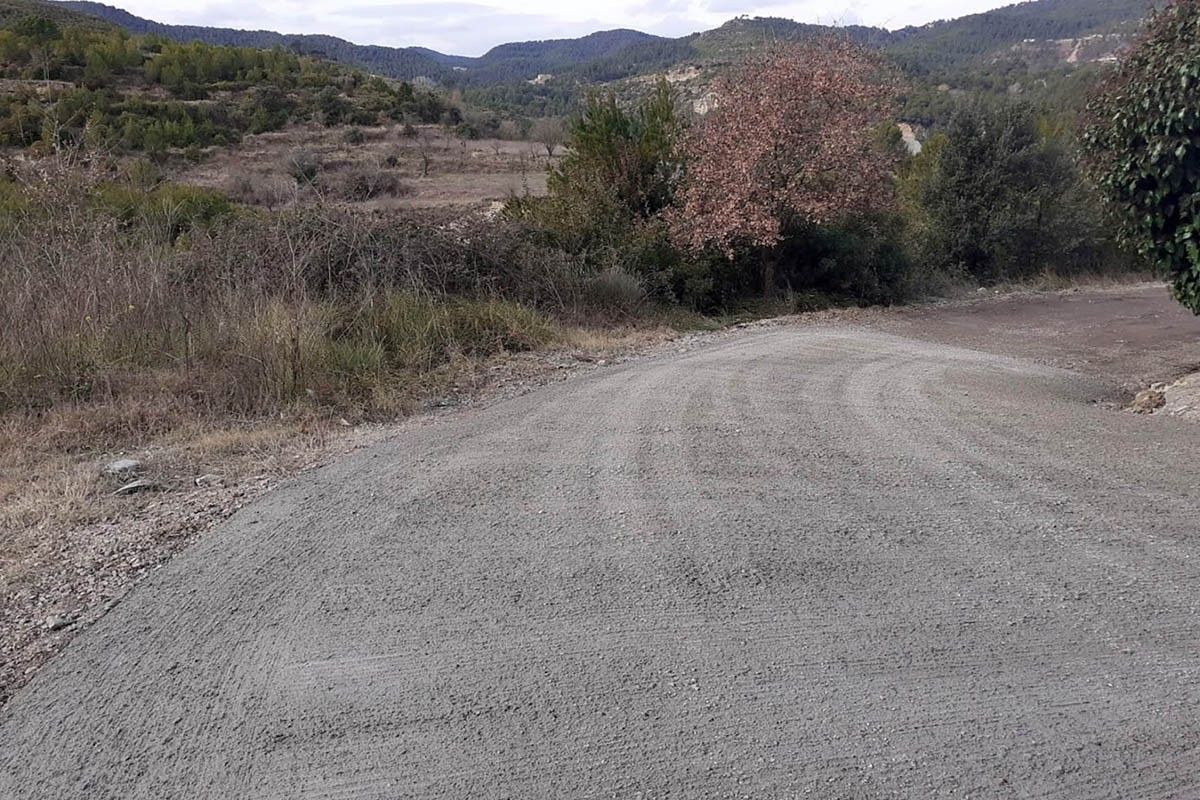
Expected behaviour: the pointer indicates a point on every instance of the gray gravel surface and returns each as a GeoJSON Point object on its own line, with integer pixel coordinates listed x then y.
{"type": "Point", "coordinates": [800, 561]}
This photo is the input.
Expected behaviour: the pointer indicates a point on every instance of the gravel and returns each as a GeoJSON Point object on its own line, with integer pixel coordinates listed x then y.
{"type": "Point", "coordinates": [797, 560]}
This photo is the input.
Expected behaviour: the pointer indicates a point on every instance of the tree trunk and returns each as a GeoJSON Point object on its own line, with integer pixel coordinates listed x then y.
{"type": "Point", "coordinates": [768, 275]}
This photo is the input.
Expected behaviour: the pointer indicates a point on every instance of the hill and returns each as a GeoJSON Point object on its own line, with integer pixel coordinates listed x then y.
{"type": "Point", "coordinates": [59, 13]}
{"type": "Point", "coordinates": [515, 61]}
{"type": "Point", "coordinates": [394, 62]}
{"type": "Point", "coordinates": [525, 60]}
{"type": "Point", "coordinates": [70, 85]}
{"type": "Point", "coordinates": [937, 51]}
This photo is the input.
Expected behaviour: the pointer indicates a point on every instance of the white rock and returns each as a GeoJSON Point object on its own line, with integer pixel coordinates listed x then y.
{"type": "Point", "coordinates": [122, 466]}
{"type": "Point", "coordinates": [140, 485]}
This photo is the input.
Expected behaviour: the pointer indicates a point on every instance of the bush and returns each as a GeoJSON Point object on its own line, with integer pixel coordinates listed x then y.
{"type": "Point", "coordinates": [995, 199]}
{"type": "Point", "coordinates": [256, 311]}
{"type": "Point", "coordinates": [861, 259]}
{"type": "Point", "coordinates": [364, 352]}
{"type": "Point", "coordinates": [1145, 142]}
{"type": "Point", "coordinates": [614, 291]}
{"type": "Point", "coordinates": [422, 333]}
{"type": "Point", "coordinates": [260, 190]}
{"type": "Point", "coordinates": [166, 211]}
{"type": "Point", "coordinates": [365, 183]}
{"type": "Point", "coordinates": [304, 166]}
{"type": "Point", "coordinates": [12, 201]}
{"type": "Point", "coordinates": [608, 190]}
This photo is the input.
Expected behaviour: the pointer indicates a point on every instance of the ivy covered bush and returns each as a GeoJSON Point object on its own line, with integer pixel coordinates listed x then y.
{"type": "Point", "coordinates": [1144, 141]}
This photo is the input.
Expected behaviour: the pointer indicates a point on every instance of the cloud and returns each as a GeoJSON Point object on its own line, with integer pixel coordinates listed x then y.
{"type": "Point", "coordinates": [427, 11]}
{"type": "Point", "coordinates": [661, 7]}
{"type": "Point", "coordinates": [751, 7]}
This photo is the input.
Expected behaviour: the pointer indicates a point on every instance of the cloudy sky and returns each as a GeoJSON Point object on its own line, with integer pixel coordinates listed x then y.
{"type": "Point", "coordinates": [472, 26]}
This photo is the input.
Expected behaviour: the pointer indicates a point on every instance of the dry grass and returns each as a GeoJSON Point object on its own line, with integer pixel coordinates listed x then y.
{"type": "Point", "coordinates": [259, 313]}
{"type": "Point", "coordinates": [69, 545]}
{"type": "Point", "coordinates": [224, 349]}
{"type": "Point", "coordinates": [125, 333]}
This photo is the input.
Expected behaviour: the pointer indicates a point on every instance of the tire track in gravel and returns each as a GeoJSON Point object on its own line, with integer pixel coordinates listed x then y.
{"type": "Point", "coordinates": [807, 561]}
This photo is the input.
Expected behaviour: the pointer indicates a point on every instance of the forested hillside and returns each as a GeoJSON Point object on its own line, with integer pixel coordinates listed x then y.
{"type": "Point", "coordinates": [401, 63]}
{"type": "Point", "coordinates": [940, 51]}
{"type": "Point", "coordinates": [58, 13]}
{"type": "Point", "coordinates": [104, 88]}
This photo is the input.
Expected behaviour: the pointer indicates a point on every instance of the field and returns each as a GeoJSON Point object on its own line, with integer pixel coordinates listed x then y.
{"type": "Point", "coordinates": [388, 168]}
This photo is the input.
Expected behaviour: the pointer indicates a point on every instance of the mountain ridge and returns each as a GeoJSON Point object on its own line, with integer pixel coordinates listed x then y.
{"type": "Point", "coordinates": [601, 56]}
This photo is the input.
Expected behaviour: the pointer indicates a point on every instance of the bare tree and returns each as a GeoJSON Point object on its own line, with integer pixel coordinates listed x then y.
{"type": "Point", "coordinates": [425, 148]}
{"type": "Point", "coordinates": [550, 133]}
{"type": "Point", "coordinates": [509, 131]}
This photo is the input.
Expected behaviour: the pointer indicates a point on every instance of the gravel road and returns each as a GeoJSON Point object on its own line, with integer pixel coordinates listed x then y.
{"type": "Point", "coordinates": [824, 561]}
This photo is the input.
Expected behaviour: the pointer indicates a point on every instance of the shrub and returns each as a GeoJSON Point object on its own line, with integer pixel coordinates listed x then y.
{"type": "Point", "coordinates": [12, 201]}
{"type": "Point", "coordinates": [304, 166]}
{"type": "Point", "coordinates": [466, 130]}
{"type": "Point", "coordinates": [365, 183]}
{"type": "Point", "coordinates": [614, 291]}
{"type": "Point", "coordinates": [996, 199]}
{"type": "Point", "coordinates": [260, 190]}
{"type": "Point", "coordinates": [166, 211]}
{"type": "Point", "coordinates": [255, 312]}
{"type": "Point", "coordinates": [608, 190]}
{"type": "Point", "coordinates": [421, 333]}
{"type": "Point", "coordinates": [1145, 143]}
{"type": "Point", "coordinates": [861, 259]}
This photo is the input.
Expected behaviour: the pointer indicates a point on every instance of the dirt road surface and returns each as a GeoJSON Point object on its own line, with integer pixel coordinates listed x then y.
{"type": "Point", "coordinates": [803, 560]}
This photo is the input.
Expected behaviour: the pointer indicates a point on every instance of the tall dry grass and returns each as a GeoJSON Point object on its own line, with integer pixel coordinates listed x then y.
{"type": "Point", "coordinates": [249, 312]}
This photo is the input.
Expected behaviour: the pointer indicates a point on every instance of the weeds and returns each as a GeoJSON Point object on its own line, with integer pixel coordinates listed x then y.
{"type": "Point", "coordinates": [115, 293]}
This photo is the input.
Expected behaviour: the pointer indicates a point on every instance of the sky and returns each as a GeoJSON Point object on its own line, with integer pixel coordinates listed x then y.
{"type": "Point", "coordinates": [471, 27]}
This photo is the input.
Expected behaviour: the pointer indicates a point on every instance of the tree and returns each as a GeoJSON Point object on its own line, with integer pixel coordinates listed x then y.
{"type": "Point", "coordinates": [792, 140]}
{"type": "Point", "coordinates": [549, 133]}
{"type": "Point", "coordinates": [607, 193]}
{"type": "Point", "coordinates": [998, 198]}
{"type": "Point", "coordinates": [628, 157]}
{"type": "Point", "coordinates": [619, 173]}
{"type": "Point", "coordinates": [425, 148]}
{"type": "Point", "coordinates": [1144, 141]}
{"type": "Point", "coordinates": [41, 34]}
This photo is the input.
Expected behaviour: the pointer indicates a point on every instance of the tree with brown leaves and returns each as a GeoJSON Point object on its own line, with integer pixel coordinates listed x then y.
{"type": "Point", "coordinates": [793, 140]}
